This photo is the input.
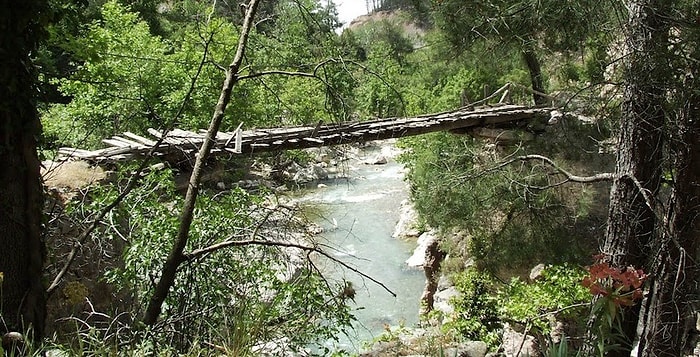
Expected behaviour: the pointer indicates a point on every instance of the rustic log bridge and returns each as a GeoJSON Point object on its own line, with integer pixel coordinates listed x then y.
{"type": "Point", "coordinates": [182, 145]}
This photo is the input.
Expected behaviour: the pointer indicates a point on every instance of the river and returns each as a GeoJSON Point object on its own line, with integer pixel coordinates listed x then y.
{"type": "Point", "coordinates": [359, 213]}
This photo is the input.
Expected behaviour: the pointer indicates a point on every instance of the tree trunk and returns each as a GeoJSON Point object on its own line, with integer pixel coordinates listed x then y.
{"type": "Point", "coordinates": [669, 317]}
{"type": "Point", "coordinates": [176, 256]}
{"type": "Point", "coordinates": [533, 66]}
{"type": "Point", "coordinates": [21, 246]}
{"type": "Point", "coordinates": [631, 218]}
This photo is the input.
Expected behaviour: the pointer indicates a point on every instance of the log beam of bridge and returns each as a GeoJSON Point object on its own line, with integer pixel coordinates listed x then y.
{"type": "Point", "coordinates": [180, 144]}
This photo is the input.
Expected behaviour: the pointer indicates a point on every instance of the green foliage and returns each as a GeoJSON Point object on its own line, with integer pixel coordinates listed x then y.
{"type": "Point", "coordinates": [127, 79]}
{"type": "Point", "coordinates": [530, 29]}
{"type": "Point", "coordinates": [386, 49]}
{"type": "Point", "coordinates": [301, 35]}
{"type": "Point", "coordinates": [123, 82]}
{"type": "Point", "coordinates": [378, 94]}
{"type": "Point", "coordinates": [238, 297]}
{"type": "Point", "coordinates": [483, 303]}
{"type": "Point", "coordinates": [560, 349]}
{"type": "Point", "coordinates": [400, 81]}
{"type": "Point", "coordinates": [558, 291]}
{"type": "Point", "coordinates": [301, 157]}
{"type": "Point", "coordinates": [388, 38]}
{"type": "Point", "coordinates": [559, 24]}
{"type": "Point", "coordinates": [509, 225]}
{"type": "Point", "coordinates": [476, 313]}
{"type": "Point", "coordinates": [597, 58]}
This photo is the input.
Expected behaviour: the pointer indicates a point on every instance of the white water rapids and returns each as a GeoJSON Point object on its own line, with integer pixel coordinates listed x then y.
{"type": "Point", "coordinates": [359, 214]}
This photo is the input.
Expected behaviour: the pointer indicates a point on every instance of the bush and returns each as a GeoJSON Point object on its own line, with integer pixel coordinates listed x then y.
{"type": "Point", "coordinates": [476, 313]}
{"type": "Point", "coordinates": [483, 303]}
{"type": "Point", "coordinates": [557, 293]}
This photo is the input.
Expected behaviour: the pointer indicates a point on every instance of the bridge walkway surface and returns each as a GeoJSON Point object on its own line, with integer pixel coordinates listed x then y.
{"type": "Point", "coordinates": [181, 144]}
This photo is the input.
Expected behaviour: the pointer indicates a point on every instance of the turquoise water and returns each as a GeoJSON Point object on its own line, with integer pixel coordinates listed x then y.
{"type": "Point", "coordinates": [358, 215]}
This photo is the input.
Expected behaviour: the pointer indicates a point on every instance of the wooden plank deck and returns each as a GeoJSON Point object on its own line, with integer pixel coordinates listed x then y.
{"type": "Point", "coordinates": [182, 145]}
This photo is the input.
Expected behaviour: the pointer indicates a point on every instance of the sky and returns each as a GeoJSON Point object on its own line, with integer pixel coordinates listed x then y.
{"type": "Point", "coordinates": [350, 9]}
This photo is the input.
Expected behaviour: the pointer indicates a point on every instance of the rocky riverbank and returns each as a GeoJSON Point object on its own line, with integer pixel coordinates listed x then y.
{"type": "Point", "coordinates": [429, 339]}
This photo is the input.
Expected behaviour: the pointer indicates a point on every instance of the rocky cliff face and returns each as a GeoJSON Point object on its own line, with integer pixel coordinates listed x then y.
{"type": "Point", "coordinates": [410, 28]}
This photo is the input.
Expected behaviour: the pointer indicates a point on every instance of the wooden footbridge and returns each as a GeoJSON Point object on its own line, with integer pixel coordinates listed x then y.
{"type": "Point", "coordinates": [178, 145]}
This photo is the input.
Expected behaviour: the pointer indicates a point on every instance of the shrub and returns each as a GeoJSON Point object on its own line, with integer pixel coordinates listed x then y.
{"type": "Point", "coordinates": [237, 298]}
{"type": "Point", "coordinates": [558, 292]}
{"type": "Point", "coordinates": [476, 313]}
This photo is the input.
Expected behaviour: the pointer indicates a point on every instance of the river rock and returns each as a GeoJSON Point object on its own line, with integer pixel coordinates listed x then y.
{"type": "Point", "coordinates": [289, 171]}
{"type": "Point", "coordinates": [536, 272]}
{"type": "Point", "coordinates": [312, 173]}
{"type": "Point", "coordinates": [468, 349]}
{"type": "Point", "coordinates": [417, 260]}
{"type": "Point", "coordinates": [442, 300]}
{"type": "Point", "coordinates": [407, 225]}
{"type": "Point", "coordinates": [380, 348]}
{"type": "Point", "coordinates": [516, 344]}
{"type": "Point", "coordinates": [320, 172]}
{"type": "Point", "coordinates": [277, 348]}
{"type": "Point", "coordinates": [444, 283]}
{"type": "Point", "coordinates": [376, 160]}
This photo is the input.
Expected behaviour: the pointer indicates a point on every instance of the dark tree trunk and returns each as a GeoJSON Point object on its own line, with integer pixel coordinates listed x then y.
{"type": "Point", "coordinates": [668, 320]}
{"type": "Point", "coordinates": [533, 66]}
{"type": "Point", "coordinates": [21, 247]}
{"type": "Point", "coordinates": [631, 219]}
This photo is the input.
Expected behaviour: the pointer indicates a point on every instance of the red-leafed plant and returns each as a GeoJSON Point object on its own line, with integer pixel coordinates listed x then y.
{"type": "Point", "coordinates": [613, 289]}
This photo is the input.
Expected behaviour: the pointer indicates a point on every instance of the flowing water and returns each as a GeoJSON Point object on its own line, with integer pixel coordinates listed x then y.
{"type": "Point", "coordinates": [359, 214]}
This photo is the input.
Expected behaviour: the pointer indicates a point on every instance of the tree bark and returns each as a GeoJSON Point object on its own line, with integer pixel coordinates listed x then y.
{"type": "Point", "coordinates": [21, 198]}
{"type": "Point", "coordinates": [533, 66]}
{"type": "Point", "coordinates": [176, 256]}
{"type": "Point", "coordinates": [632, 221]}
{"type": "Point", "coordinates": [669, 317]}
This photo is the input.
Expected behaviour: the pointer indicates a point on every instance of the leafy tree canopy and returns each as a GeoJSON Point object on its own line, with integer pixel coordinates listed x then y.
{"type": "Point", "coordinates": [556, 24]}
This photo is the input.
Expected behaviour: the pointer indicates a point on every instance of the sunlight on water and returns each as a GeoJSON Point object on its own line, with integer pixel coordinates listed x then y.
{"type": "Point", "coordinates": [359, 216]}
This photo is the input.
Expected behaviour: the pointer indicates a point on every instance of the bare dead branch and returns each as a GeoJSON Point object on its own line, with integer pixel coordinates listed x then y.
{"type": "Point", "coordinates": [254, 241]}
{"type": "Point", "coordinates": [268, 243]}
{"type": "Point", "coordinates": [503, 89]}
{"type": "Point", "coordinates": [284, 73]}
{"type": "Point", "coordinates": [568, 177]}
{"type": "Point", "coordinates": [532, 91]}
{"type": "Point", "coordinates": [176, 257]}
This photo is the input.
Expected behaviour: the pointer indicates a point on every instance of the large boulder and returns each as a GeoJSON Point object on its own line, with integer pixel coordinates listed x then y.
{"type": "Point", "coordinates": [442, 300]}
{"type": "Point", "coordinates": [312, 173]}
{"type": "Point", "coordinates": [406, 227]}
{"type": "Point", "coordinates": [516, 344]}
{"type": "Point", "coordinates": [417, 260]}
{"type": "Point", "coordinates": [536, 272]}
